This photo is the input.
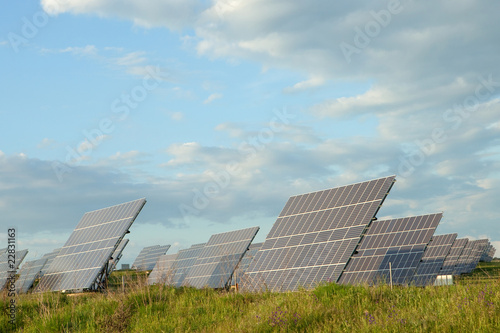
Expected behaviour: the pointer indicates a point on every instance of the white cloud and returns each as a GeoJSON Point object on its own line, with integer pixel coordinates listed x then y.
{"type": "Point", "coordinates": [304, 85]}
{"type": "Point", "coordinates": [177, 116]}
{"type": "Point", "coordinates": [46, 143]}
{"type": "Point", "coordinates": [212, 98]}
{"type": "Point", "coordinates": [130, 59]}
{"type": "Point", "coordinates": [88, 50]}
{"type": "Point", "coordinates": [174, 14]}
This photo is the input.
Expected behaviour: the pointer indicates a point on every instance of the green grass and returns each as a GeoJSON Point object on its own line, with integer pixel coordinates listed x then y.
{"type": "Point", "coordinates": [472, 305]}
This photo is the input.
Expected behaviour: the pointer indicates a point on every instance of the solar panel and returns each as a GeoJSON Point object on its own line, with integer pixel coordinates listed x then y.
{"type": "Point", "coordinates": [50, 258]}
{"type": "Point", "coordinates": [245, 262]}
{"type": "Point", "coordinates": [28, 274]}
{"type": "Point", "coordinates": [6, 265]}
{"type": "Point", "coordinates": [489, 253]}
{"type": "Point", "coordinates": [463, 260]}
{"type": "Point", "coordinates": [117, 255]}
{"type": "Point", "coordinates": [163, 272]}
{"type": "Point", "coordinates": [185, 260]}
{"type": "Point", "coordinates": [390, 247]}
{"type": "Point", "coordinates": [81, 264]}
{"type": "Point", "coordinates": [219, 258]}
{"type": "Point", "coordinates": [452, 258]}
{"type": "Point", "coordinates": [147, 258]}
{"type": "Point", "coordinates": [477, 252]}
{"type": "Point", "coordinates": [433, 259]}
{"type": "Point", "coordinates": [315, 235]}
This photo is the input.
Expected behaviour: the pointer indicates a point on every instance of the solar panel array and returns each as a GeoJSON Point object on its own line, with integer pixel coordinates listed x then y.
{"type": "Point", "coordinates": [463, 261]}
{"type": "Point", "coordinates": [433, 259]}
{"type": "Point", "coordinates": [219, 258]}
{"type": "Point", "coordinates": [30, 271]}
{"type": "Point", "coordinates": [185, 260]}
{"type": "Point", "coordinates": [315, 235]}
{"type": "Point", "coordinates": [452, 258]}
{"type": "Point", "coordinates": [163, 272]}
{"type": "Point", "coordinates": [6, 265]}
{"type": "Point", "coordinates": [489, 253]}
{"type": "Point", "coordinates": [117, 255]}
{"type": "Point", "coordinates": [82, 262]}
{"type": "Point", "coordinates": [390, 247]}
{"type": "Point", "coordinates": [477, 252]}
{"type": "Point", "coordinates": [148, 257]}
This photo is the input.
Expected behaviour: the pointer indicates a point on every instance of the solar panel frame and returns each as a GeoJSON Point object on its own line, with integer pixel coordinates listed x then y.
{"type": "Point", "coordinates": [323, 228]}
{"type": "Point", "coordinates": [433, 259]}
{"type": "Point", "coordinates": [221, 255]}
{"type": "Point", "coordinates": [82, 262]}
{"type": "Point", "coordinates": [390, 246]}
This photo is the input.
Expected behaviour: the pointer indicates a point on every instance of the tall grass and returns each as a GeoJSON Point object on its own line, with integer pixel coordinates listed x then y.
{"type": "Point", "coordinates": [472, 305]}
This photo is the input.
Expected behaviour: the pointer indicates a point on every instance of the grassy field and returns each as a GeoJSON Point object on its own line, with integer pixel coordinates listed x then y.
{"type": "Point", "coordinates": [471, 305]}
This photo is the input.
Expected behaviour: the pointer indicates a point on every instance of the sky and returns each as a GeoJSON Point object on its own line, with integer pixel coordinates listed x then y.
{"type": "Point", "coordinates": [218, 111]}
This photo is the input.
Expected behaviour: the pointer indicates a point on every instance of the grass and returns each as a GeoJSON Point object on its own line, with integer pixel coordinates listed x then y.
{"type": "Point", "coordinates": [472, 305]}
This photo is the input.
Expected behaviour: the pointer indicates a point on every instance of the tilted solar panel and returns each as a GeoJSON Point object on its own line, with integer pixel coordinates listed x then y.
{"type": "Point", "coordinates": [477, 252]}
{"type": "Point", "coordinates": [219, 258]}
{"type": "Point", "coordinates": [390, 247]}
{"type": "Point", "coordinates": [7, 265]}
{"type": "Point", "coordinates": [433, 259]}
{"type": "Point", "coordinates": [82, 262]}
{"type": "Point", "coordinates": [149, 257]}
{"type": "Point", "coordinates": [184, 262]}
{"type": "Point", "coordinates": [28, 274]}
{"type": "Point", "coordinates": [452, 258]}
{"type": "Point", "coordinates": [163, 272]}
{"type": "Point", "coordinates": [463, 260]}
{"type": "Point", "coordinates": [50, 258]}
{"type": "Point", "coordinates": [315, 235]}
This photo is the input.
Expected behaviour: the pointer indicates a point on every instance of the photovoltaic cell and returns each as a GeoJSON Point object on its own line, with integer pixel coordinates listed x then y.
{"type": "Point", "coordinates": [148, 257]}
{"type": "Point", "coordinates": [117, 255]}
{"type": "Point", "coordinates": [163, 272]}
{"type": "Point", "coordinates": [220, 256]}
{"type": "Point", "coordinates": [315, 235]}
{"type": "Point", "coordinates": [400, 242]}
{"type": "Point", "coordinates": [452, 258]}
{"type": "Point", "coordinates": [184, 262]}
{"type": "Point", "coordinates": [28, 274]}
{"type": "Point", "coordinates": [81, 262]}
{"type": "Point", "coordinates": [6, 265]}
{"type": "Point", "coordinates": [433, 259]}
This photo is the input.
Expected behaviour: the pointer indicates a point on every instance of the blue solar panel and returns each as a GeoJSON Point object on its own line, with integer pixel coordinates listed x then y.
{"type": "Point", "coordinates": [315, 235]}
{"type": "Point", "coordinates": [390, 247]}
{"type": "Point", "coordinates": [81, 263]}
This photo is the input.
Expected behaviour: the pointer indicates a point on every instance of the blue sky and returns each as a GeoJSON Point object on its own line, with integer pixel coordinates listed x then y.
{"type": "Point", "coordinates": [218, 111]}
